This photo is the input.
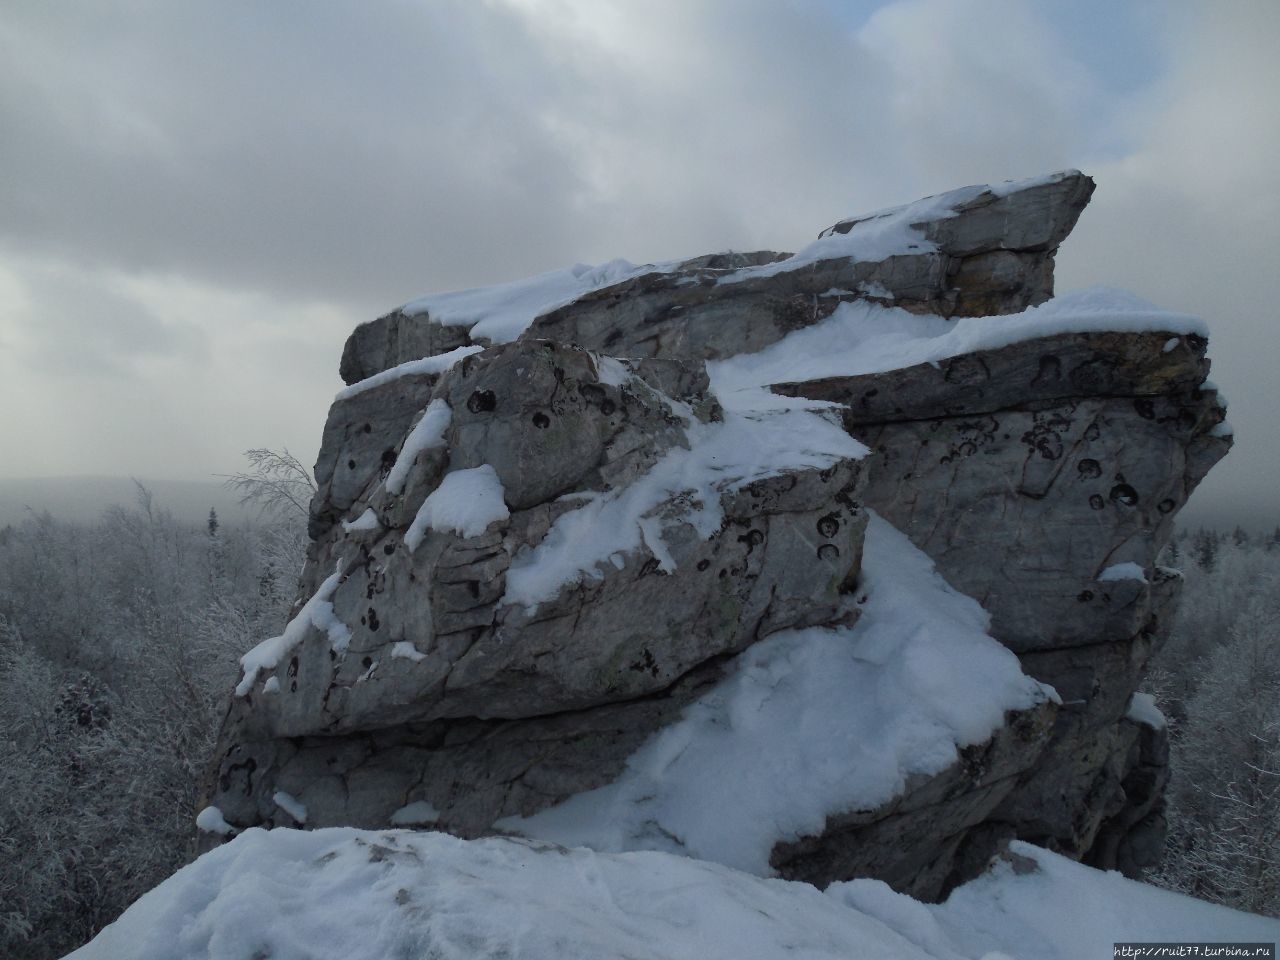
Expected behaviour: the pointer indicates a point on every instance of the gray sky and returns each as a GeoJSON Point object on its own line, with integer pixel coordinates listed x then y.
{"type": "Point", "coordinates": [199, 201]}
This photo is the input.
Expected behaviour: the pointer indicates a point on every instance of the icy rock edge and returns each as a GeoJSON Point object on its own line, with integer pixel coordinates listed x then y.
{"type": "Point", "coordinates": [600, 548]}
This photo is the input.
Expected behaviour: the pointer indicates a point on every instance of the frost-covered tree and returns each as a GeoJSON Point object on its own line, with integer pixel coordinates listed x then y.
{"type": "Point", "coordinates": [1219, 678]}
{"type": "Point", "coordinates": [119, 642]}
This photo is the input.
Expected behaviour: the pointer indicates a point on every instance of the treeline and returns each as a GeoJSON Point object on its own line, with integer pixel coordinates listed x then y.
{"type": "Point", "coordinates": [1217, 679]}
{"type": "Point", "coordinates": [118, 643]}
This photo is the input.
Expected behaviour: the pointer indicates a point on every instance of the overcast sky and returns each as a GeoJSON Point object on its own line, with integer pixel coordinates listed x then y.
{"type": "Point", "coordinates": [199, 201]}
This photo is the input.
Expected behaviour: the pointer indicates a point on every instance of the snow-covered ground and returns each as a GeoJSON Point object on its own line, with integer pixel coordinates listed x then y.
{"type": "Point", "coordinates": [346, 894]}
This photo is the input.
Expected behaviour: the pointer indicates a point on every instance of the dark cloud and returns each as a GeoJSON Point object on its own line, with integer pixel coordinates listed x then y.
{"type": "Point", "coordinates": [364, 153]}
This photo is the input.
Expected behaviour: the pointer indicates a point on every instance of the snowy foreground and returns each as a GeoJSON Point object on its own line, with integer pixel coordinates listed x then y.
{"type": "Point", "coordinates": [351, 894]}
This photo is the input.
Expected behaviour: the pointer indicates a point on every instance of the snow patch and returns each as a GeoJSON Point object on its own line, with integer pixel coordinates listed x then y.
{"type": "Point", "coordinates": [848, 713]}
{"type": "Point", "coordinates": [405, 650]}
{"type": "Point", "coordinates": [211, 820]}
{"type": "Point", "coordinates": [500, 313]}
{"type": "Point", "coordinates": [415, 814]}
{"type": "Point", "coordinates": [862, 337]}
{"type": "Point", "coordinates": [611, 371]}
{"type": "Point", "coordinates": [1143, 709]}
{"type": "Point", "coordinates": [465, 503]}
{"type": "Point", "coordinates": [426, 434]}
{"type": "Point", "coordinates": [1123, 571]}
{"type": "Point", "coordinates": [318, 613]}
{"type": "Point", "coordinates": [290, 805]}
{"type": "Point", "coordinates": [748, 446]}
{"type": "Point", "coordinates": [366, 521]}
{"type": "Point", "coordinates": [427, 365]}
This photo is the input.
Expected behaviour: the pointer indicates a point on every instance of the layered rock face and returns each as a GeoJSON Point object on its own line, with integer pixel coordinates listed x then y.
{"type": "Point", "coordinates": [567, 529]}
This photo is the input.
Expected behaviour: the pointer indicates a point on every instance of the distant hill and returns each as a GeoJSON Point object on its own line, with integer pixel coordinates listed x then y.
{"type": "Point", "coordinates": [83, 499]}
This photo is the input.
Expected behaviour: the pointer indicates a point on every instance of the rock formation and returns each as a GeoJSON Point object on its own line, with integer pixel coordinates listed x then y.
{"type": "Point", "coordinates": [564, 529]}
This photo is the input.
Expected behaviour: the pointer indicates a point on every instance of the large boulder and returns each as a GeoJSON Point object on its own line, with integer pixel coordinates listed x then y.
{"type": "Point", "coordinates": [588, 558]}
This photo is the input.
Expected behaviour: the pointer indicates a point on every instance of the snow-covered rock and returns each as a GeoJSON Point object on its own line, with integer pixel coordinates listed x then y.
{"type": "Point", "coordinates": [602, 578]}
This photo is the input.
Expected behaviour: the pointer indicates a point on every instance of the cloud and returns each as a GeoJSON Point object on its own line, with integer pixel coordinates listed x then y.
{"type": "Point", "coordinates": [200, 201]}
{"type": "Point", "coordinates": [365, 154]}
{"type": "Point", "coordinates": [1188, 219]}
{"type": "Point", "coordinates": [65, 322]}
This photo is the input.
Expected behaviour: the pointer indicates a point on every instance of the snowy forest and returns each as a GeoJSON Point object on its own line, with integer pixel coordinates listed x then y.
{"type": "Point", "coordinates": [119, 642]}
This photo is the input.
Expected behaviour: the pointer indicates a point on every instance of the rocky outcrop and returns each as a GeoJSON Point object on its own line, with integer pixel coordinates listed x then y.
{"type": "Point", "coordinates": [553, 524]}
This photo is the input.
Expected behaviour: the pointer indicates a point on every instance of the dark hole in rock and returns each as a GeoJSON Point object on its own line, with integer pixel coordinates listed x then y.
{"type": "Point", "coordinates": [1085, 596]}
{"type": "Point", "coordinates": [1092, 432]}
{"type": "Point", "coordinates": [367, 428]}
{"type": "Point", "coordinates": [482, 401]}
{"type": "Point", "coordinates": [828, 551]}
{"type": "Point", "coordinates": [703, 564]}
{"type": "Point", "coordinates": [367, 662]}
{"type": "Point", "coordinates": [373, 620]}
{"type": "Point", "coordinates": [607, 406]}
{"type": "Point", "coordinates": [1146, 409]}
{"type": "Point", "coordinates": [351, 464]}
{"type": "Point", "coordinates": [829, 525]}
{"type": "Point", "coordinates": [752, 538]}
{"type": "Point", "coordinates": [1096, 502]}
{"type": "Point", "coordinates": [1166, 505]}
{"type": "Point", "coordinates": [1089, 469]}
{"type": "Point", "coordinates": [388, 548]}
{"type": "Point", "coordinates": [293, 686]}
{"type": "Point", "coordinates": [541, 420]}
{"type": "Point", "coordinates": [1050, 369]}
{"type": "Point", "coordinates": [1124, 494]}
{"type": "Point", "coordinates": [293, 667]}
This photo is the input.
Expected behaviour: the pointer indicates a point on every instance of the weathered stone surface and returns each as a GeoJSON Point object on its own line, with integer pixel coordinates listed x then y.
{"type": "Point", "coordinates": [448, 691]}
{"type": "Point", "coordinates": [1024, 508]}
{"type": "Point", "coordinates": [1026, 472]}
{"type": "Point", "coordinates": [1036, 216]}
{"type": "Point", "coordinates": [1037, 372]}
{"type": "Point", "coordinates": [989, 254]}
{"type": "Point", "coordinates": [472, 772]}
{"type": "Point", "coordinates": [1132, 839]}
{"type": "Point", "coordinates": [914, 843]}
{"type": "Point", "coordinates": [394, 339]}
